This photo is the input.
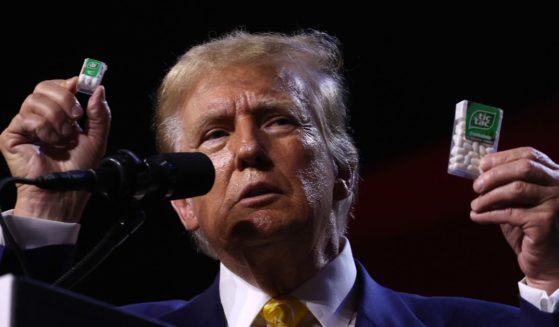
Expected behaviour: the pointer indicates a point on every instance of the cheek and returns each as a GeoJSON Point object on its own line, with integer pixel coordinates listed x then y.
{"type": "Point", "coordinates": [315, 170]}
{"type": "Point", "coordinates": [221, 160]}
{"type": "Point", "coordinates": [316, 181]}
{"type": "Point", "coordinates": [224, 167]}
{"type": "Point", "coordinates": [210, 204]}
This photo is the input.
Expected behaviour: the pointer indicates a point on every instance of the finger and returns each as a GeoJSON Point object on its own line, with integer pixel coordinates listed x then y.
{"type": "Point", "coordinates": [46, 107]}
{"type": "Point", "coordinates": [99, 115]}
{"type": "Point", "coordinates": [71, 84]}
{"type": "Point", "coordinates": [34, 128]}
{"type": "Point", "coordinates": [521, 169]}
{"type": "Point", "coordinates": [500, 216]}
{"type": "Point", "coordinates": [492, 160]}
{"type": "Point", "coordinates": [514, 194]}
{"type": "Point", "coordinates": [535, 225]}
{"type": "Point", "coordinates": [62, 92]}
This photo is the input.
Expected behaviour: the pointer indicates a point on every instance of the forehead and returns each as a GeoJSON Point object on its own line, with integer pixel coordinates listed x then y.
{"type": "Point", "coordinates": [235, 87]}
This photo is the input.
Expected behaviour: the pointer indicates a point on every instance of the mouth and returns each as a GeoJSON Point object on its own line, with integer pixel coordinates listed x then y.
{"type": "Point", "coordinates": [258, 194]}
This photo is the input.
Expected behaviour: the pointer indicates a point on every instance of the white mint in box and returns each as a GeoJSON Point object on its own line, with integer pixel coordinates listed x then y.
{"type": "Point", "coordinates": [91, 75]}
{"type": "Point", "coordinates": [475, 133]}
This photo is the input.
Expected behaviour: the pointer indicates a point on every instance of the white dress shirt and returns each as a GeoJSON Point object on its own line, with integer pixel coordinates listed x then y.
{"type": "Point", "coordinates": [539, 298]}
{"type": "Point", "coordinates": [329, 295]}
{"type": "Point", "coordinates": [32, 233]}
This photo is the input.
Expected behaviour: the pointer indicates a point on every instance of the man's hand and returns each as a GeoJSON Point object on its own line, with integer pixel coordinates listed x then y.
{"type": "Point", "coordinates": [519, 189]}
{"type": "Point", "coordinates": [44, 137]}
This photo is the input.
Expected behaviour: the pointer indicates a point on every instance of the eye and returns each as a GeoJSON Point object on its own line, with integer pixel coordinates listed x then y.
{"type": "Point", "coordinates": [281, 121]}
{"type": "Point", "coordinates": [214, 135]}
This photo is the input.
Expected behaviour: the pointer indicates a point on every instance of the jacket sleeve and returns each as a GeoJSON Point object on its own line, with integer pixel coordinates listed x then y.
{"type": "Point", "coordinates": [46, 263]}
{"type": "Point", "coordinates": [47, 247]}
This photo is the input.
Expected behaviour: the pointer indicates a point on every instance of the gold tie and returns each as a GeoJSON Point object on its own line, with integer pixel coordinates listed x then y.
{"type": "Point", "coordinates": [283, 312]}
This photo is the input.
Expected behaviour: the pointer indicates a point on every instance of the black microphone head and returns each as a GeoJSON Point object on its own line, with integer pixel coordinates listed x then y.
{"type": "Point", "coordinates": [164, 176]}
{"type": "Point", "coordinates": [181, 174]}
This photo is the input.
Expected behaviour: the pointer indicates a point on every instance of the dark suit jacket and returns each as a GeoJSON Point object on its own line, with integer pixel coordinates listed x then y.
{"type": "Point", "coordinates": [377, 305]}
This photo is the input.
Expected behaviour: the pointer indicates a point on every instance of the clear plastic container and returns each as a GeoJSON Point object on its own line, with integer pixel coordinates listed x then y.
{"type": "Point", "coordinates": [475, 133]}
{"type": "Point", "coordinates": [91, 75]}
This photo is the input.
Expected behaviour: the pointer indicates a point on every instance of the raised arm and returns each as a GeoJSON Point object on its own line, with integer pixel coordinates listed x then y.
{"type": "Point", "coordinates": [519, 189]}
{"type": "Point", "coordinates": [45, 137]}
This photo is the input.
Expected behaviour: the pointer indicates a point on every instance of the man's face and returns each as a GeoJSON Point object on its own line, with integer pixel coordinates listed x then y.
{"type": "Point", "coordinates": [274, 177]}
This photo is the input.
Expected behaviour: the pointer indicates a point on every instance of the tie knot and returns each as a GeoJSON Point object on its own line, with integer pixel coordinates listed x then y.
{"type": "Point", "coordinates": [283, 312]}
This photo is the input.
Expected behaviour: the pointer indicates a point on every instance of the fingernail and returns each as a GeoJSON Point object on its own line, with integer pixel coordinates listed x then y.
{"type": "Point", "coordinates": [478, 184]}
{"type": "Point", "coordinates": [102, 91]}
{"type": "Point", "coordinates": [473, 204]}
{"type": "Point", "coordinates": [98, 97]}
{"type": "Point", "coordinates": [77, 110]}
{"type": "Point", "coordinates": [484, 163]}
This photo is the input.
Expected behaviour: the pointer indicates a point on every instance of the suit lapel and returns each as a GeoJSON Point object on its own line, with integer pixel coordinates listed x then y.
{"type": "Point", "coordinates": [203, 310]}
{"type": "Point", "coordinates": [379, 306]}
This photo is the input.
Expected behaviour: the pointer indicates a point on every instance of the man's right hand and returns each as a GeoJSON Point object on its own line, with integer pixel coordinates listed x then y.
{"type": "Point", "coordinates": [44, 137]}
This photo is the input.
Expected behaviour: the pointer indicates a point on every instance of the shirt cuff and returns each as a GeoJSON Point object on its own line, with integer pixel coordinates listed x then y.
{"type": "Point", "coordinates": [538, 298]}
{"type": "Point", "coordinates": [31, 233]}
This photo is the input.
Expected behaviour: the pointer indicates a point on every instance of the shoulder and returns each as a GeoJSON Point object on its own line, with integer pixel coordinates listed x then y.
{"type": "Point", "coordinates": [381, 306]}
{"type": "Point", "coordinates": [155, 309]}
{"type": "Point", "coordinates": [444, 308]}
{"type": "Point", "coordinates": [203, 310]}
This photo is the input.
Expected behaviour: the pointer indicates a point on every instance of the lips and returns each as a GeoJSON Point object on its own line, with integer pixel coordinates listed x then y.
{"type": "Point", "coordinates": [258, 192]}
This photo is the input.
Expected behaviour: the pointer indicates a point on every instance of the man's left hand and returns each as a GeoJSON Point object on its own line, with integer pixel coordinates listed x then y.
{"type": "Point", "coordinates": [519, 189]}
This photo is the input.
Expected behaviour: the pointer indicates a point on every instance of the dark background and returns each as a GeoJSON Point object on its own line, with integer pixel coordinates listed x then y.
{"type": "Point", "coordinates": [406, 70]}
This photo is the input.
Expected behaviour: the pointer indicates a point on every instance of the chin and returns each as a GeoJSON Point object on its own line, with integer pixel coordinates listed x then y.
{"type": "Point", "coordinates": [265, 229]}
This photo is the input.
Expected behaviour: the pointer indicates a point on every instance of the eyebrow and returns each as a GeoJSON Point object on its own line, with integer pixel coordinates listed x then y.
{"type": "Point", "coordinates": [218, 112]}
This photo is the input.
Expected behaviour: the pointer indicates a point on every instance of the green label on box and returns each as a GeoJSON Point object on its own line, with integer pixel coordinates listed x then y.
{"type": "Point", "coordinates": [482, 122]}
{"type": "Point", "coordinates": [92, 67]}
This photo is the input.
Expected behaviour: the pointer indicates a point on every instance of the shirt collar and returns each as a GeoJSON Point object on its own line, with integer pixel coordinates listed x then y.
{"type": "Point", "coordinates": [328, 295]}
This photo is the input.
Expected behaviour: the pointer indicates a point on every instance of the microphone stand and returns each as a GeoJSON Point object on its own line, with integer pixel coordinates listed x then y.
{"type": "Point", "coordinates": [128, 208]}
{"type": "Point", "coordinates": [131, 218]}
{"type": "Point", "coordinates": [126, 180]}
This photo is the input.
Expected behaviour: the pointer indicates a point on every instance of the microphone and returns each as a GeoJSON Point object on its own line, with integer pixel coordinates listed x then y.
{"type": "Point", "coordinates": [164, 176]}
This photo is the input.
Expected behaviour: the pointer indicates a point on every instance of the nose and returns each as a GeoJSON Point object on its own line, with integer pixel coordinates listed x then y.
{"type": "Point", "coordinates": [250, 147]}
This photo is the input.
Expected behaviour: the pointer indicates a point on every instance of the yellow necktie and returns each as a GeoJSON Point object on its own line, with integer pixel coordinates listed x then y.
{"type": "Point", "coordinates": [283, 312]}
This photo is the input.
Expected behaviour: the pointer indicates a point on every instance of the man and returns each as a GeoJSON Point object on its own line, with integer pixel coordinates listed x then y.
{"type": "Point", "coordinates": [269, 111]}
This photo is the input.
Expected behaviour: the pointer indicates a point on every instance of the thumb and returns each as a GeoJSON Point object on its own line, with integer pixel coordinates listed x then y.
{"type": "Point", "coordinates": [70, 83]}
{"type": "Point", "coordinates": [98, 115]}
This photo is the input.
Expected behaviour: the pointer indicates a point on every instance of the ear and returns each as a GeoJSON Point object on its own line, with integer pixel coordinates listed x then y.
{"type": "Point", "coordinates": [188, 218]}
{"type": "Point", "coordinates": [342, 183]}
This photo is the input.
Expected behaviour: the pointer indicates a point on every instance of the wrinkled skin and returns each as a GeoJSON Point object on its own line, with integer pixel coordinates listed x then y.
{"type": "Point", "coordinates": [519, 190]}
{"type": "Point", "coordinates": [269, 215]}
{"type": "Point", "coordinates": [44, 137]}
